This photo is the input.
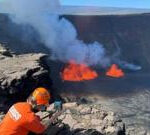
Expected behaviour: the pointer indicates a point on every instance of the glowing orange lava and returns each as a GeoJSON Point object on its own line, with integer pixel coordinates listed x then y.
{"type": "Point", "coordinates": [78, 72]}
{"type": "Point", "coordinates": [114, 71]}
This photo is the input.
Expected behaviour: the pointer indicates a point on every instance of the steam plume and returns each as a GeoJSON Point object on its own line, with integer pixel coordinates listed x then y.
{"type": "Point", "coordinates": [59, 35]}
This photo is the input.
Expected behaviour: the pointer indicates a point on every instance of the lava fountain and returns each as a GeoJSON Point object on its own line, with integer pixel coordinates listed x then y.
{"type": "Point", "coordinates": [114, 71]}
{"type": "Point", "coordinates": [78, 72]}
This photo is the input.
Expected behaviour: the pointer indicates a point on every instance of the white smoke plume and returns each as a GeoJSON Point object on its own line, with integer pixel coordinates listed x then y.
{"type": "Point", "coordinates": [59, 35]}
{"type": "Point", "coordinates": [121, 63]}
{"type": "Point", "coordinates": [129, 66]}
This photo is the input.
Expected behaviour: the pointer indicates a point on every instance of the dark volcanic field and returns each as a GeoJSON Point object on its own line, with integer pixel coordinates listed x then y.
{"type": "Point", "coordinates": [127, 34]}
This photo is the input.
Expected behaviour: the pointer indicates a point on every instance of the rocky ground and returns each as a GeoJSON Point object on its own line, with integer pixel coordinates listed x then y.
{"type": "Point", "coordinates": [83, 119]}
{"type": "Point", "coordinates": [20, 74]}
{"type": "Point", "coordinates": [134, 111]}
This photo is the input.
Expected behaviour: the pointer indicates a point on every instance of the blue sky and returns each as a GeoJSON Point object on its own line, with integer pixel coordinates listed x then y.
{"type": "Point", "coordinates": [109, 3]}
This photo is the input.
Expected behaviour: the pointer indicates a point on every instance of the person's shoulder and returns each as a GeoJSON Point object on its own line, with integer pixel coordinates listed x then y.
{"type": "Point", "coordinates": [23, 106]}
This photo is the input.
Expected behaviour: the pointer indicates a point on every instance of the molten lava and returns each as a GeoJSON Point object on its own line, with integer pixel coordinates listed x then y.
{"type": "Point", "coordinates": [114, 71]}
{"type": "Point", "coordinates": [78, 72]}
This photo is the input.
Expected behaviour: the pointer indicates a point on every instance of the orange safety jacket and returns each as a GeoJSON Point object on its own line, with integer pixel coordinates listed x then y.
{"type": "Point", "coordinates": [20, 120]}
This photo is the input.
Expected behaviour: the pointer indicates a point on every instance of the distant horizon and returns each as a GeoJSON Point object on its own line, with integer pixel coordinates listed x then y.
{"type": "Point", "coordinates": [104, 7]}
{"type": "Point", "coordinates": [144, 4]}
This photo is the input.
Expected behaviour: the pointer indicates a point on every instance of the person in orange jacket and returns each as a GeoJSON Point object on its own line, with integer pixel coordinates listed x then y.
{"type": "Point", "coordinates": [21, 118]}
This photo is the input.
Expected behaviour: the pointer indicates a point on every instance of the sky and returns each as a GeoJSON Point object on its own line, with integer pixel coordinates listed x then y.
{"type": "Point", "coordinates": [109, 3]}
